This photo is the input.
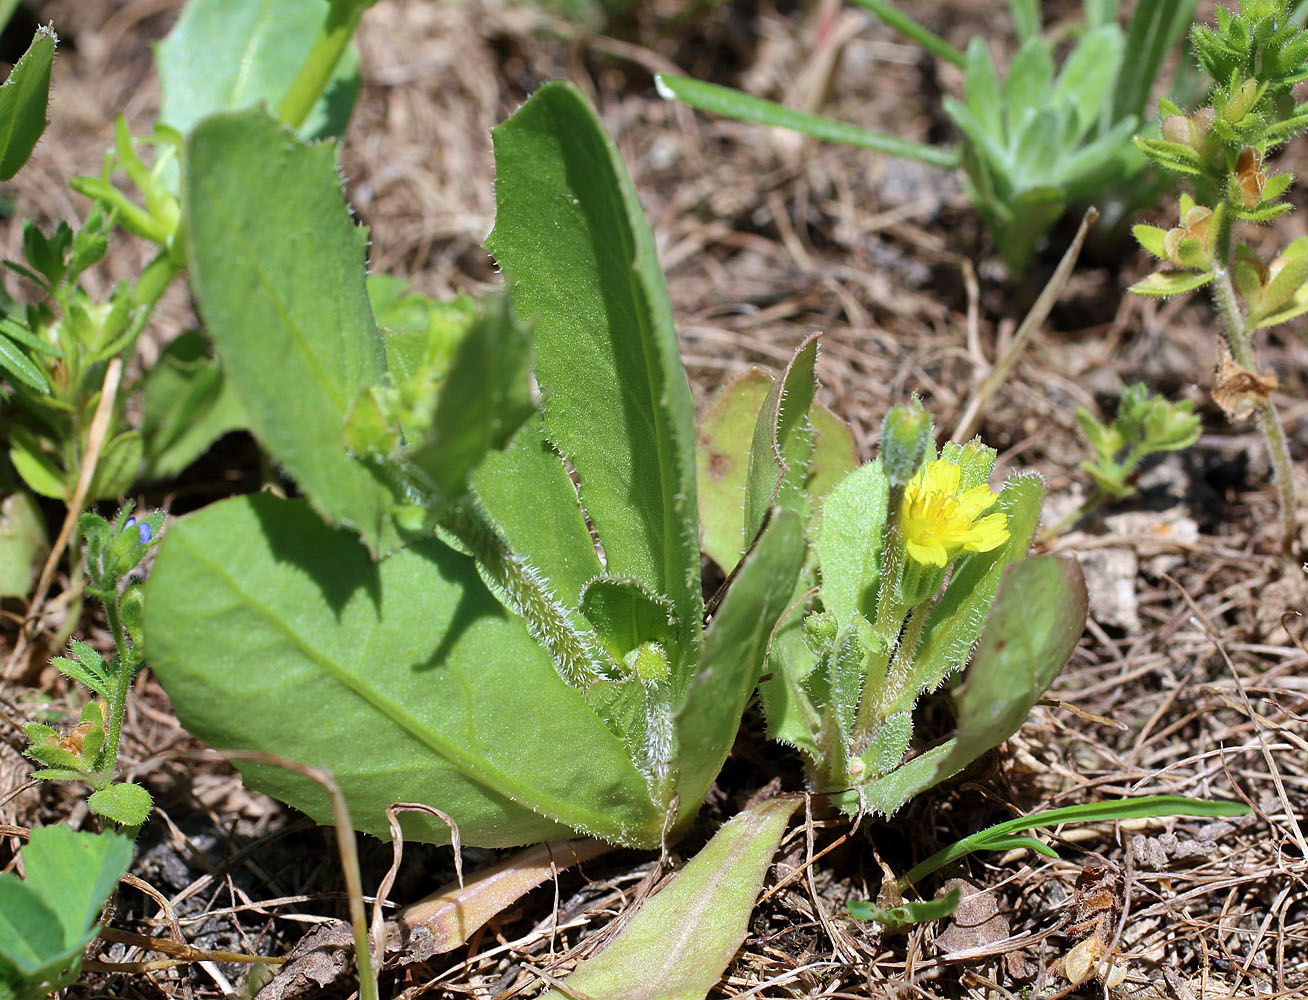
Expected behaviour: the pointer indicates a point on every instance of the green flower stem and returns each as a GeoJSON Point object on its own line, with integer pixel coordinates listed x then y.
{"type": "Point", "coordinates": [316, 71]}
{"type": "Point", "coordinates": [122, 678]}
{"type": "Point", "coordinates": [889, 618]}
{"type": "Point", "coordinates": [900, 680]}
{"type": "Point", "coordinates": [1269, 422]}
{"type": "Point", "coordinates": [155, 279]}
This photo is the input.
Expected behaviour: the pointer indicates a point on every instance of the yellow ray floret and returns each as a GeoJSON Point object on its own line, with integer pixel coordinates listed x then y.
{"type": "Point", "coordinates": [938, 521]}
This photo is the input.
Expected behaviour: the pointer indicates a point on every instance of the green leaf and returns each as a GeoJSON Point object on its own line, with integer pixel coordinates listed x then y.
{"type": "Point", "coordinates": [1155, 28]}
{"type": "Point", "coordinates": [1000, 836]}
{"type": "Point", "coordinates": [188, 405]}
{"type": "Point", "coordinates": [1088, 74]}
{"type": "Point", "coordinates": [617, 403]}
{"type": "Point", "coordinates": [1161, 284]}
{"type": "Point", "coordinates": [23, 543]}
{"type": "Point", "coordinates": [278, 268]}
{"type": "Point", "coordinates": [742, 107]}
{"type": "Point", "coordinates": [679, 943]}
{"type": "Point", "coordinates": [23, 100]}
{"type": "Point", "coordinates": [47, 918]}
{"type": "Point", "coordinates": [722, 458]}
{"type": "Point", "coordinates": [1151, 238]}
{"type": "Point", "coordinates": [529, 495]}
{"type": "Point", "coordinates": [125, 804]}
{"type": "Point", "coordinates": [1026, 18]}
{"type": "Point", "coordinates": [849, 543]}
{"type": "Point", "coordinates": [981, 90]}
{"type": "Point", "coordinates": [405, 677]}
{"type": "Point", "coordinates": [35, 465]}
{"type": "Point", "coordinates": [896, 918]}
{"type": "Point", "coordinates": [782, 443]}
{"type": "Point", "coordinates": [625, 615]}
{"type": "Point", "coordinates": [1029, 81]}
{"type": "Point", "coordinates": [224, 55]}
{"type": "Point", "coordinates": [120, 461]}
{"type": "Point", "coordinates": [20, 367]}
{"type": "Point", "coordinates": [484, 399]}
{"type": "Point", "coordinates": [732, 657]}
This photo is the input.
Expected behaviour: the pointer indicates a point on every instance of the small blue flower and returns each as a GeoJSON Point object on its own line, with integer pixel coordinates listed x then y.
{"type": "Point", "coordinates": [143, 530]}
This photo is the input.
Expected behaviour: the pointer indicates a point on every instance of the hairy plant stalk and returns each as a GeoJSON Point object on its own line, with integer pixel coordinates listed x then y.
{"type": "Point", "coordinates": [1239, 338]}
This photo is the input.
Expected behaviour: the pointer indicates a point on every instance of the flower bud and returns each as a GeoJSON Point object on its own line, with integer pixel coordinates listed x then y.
{"type": "Point", "coordinates": [905, 435]}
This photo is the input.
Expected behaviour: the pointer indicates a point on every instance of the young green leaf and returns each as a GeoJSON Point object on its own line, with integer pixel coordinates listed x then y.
{"type": "Point", "coordinates": [278, 268]}
{"type": "Point", "coordinates": [896, 918]}
{"type": "Point", "coordinates": [782, 443]}
{"type": "Point", "coordinates": [188, 405]}
{"type": "Point", "coordinates": [679, 943]}
{"type": "Point", "coordinates": [23, 543]}
{"type": "Point", "coordinates": [722, 461]}
{"type": "Point", "coordinates": [48, 918]}
{"type": "Point", "coordinates": [126, 804]}
{"type": "Point", "coordinates": [617, 403]}
{"type": "Point", "coordinates": [23, 100]}
{"type": "Point", "coordinates": [225, 55]}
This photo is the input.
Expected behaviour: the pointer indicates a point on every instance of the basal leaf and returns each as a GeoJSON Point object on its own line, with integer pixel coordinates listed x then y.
{"type": "Point", "coordinates": [224, 55]}
{"type": "Point", "coordinates": [679, 944]}
{"type": "Point", "coordinates": [405, 677]}
{"type": "Point", "coordinates": [782, 443]}
{"type": "Point", "coordinates": [125, 803]}
{"type": "Point", "coordinates": [47, 918]}
{"type": "Point", "coordinates": [734, 646]}
{"type": "Point", "coordinates": [23, 100]}
{"type": "Point", "coordinates": [188, 405]}
{"type": "Point", "coordinates": [529, 495]}
{"type": "Point", "coordinates": [278, 268]}
{"type": "Point", "coordinates": [722, 456]}
{"type": "Point", "coordinates": [570, 233]}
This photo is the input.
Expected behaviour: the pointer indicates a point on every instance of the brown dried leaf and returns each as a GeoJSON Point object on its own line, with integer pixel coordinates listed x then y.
{"type": "Point", "coordinates": [1239, 392]}
{"type": "Point", "coordinates": [976, 923]}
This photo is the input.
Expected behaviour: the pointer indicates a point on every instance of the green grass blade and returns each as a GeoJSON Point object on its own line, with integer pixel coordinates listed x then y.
{"type": "Point", "coordinates": [1155, 28]}
{"type": "Point", "coordinates": [734, 104]}
{"type": "Point", "coordinates": [905, 25]}
{"type": "Point", "coordinates": [998, 837]}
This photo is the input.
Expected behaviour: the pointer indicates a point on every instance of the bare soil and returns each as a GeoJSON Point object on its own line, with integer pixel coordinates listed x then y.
{"type": "Point", "coordinates": [1190, 678]}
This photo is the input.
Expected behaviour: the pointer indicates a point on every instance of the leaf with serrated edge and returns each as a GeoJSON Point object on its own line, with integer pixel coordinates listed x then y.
{"type": "Point", "coordinates": [278, 268]}
{"type": "Point", "coordinates": [571, 236]}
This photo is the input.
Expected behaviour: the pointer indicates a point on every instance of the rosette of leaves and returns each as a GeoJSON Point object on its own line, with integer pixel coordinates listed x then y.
{"type": "Point", "coordinates": [916, 570]}
{"type": "Point", "coordinates": [1034, 140]}
{"type": "Point", "coordinates": [488, 596]}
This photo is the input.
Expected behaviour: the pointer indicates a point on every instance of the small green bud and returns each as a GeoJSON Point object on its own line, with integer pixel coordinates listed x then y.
{"type": "Point", "coordinates": [820, 630]}
{"type": "Point", "coordinates": [905, 436]}
{"type": "Point", "coordinates": [648, 661]}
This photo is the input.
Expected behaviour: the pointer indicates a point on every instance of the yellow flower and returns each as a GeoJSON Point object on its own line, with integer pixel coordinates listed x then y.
{"type": "Point", "coordinates": [937, 520]}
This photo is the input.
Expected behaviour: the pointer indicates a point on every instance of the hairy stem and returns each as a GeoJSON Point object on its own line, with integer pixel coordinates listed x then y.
{"type": "Point", "coordinates": [1269, 422]}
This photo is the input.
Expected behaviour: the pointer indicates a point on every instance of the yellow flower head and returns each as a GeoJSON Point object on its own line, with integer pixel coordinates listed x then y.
{"type": "Point", "coordinates": [937, 520]}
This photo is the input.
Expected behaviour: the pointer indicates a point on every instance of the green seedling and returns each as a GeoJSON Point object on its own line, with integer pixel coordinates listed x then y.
{"type": "Point", "coordinates": [1145, 425]}
{"type": "Point", "coordinates": [1008, 836]}
{"type": "Point", "coordinates": [89, 752]}
{"type": "Point", "coordinates": [916, 566]}
{"type": "Point", "coordinates": [1033, 142]}
{"type": "Point", "coordinates": [434, 622]}
{"type": "Point", "coordinates": [66, 419]}
{"type": "Point", "coordinates": [48, 918]}
{"type": "Point", "coordinates": [1254, 56]}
